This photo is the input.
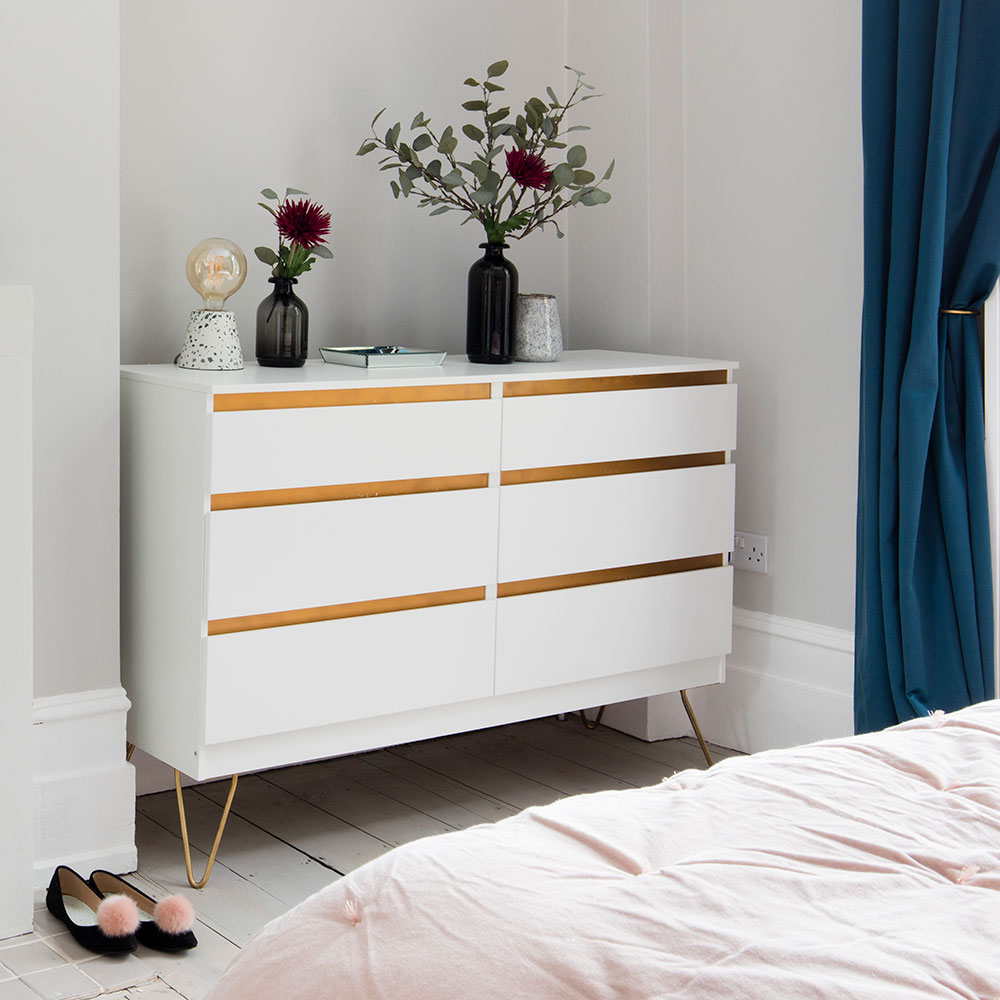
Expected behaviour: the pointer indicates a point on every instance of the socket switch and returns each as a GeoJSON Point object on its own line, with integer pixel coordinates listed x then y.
{"type": "Point", "coordinates": [750, 552]}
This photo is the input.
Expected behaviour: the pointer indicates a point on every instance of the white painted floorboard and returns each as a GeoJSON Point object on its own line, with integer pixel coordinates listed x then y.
{"type": "Point", "coordinates": [294, 830]}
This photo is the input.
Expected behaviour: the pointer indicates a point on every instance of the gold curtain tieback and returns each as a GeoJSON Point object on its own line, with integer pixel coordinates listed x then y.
{"type": "Point", "coordinates": [959, 312]}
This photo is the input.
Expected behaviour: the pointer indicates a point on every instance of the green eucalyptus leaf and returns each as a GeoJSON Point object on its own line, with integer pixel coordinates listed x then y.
{"type": "Point", "coordinates": [474, 105]}
{"type": "Point", "coordinates": [448, 146]}
{"type": "Point", "coordinates": [453, 179]}
{"type": "Point", "coordinates": [418, 120]}
{"type": "Point", "coordinates": [562, 175]}
{"type": "Point", "coordinates": [559, 233]}
{"type": "Point", "coordinates": [268, 193]}
{"type": "Point", "coordinates": [609, 172]}
{"type": "Point", "coordinates": [484, 196]}
{"type": "Point", "coordinates": [480, 169]}
{"type": "Point", "coordinates": [578, 128]}
{"type": "Point", "coordinates": [291, 191]}
{"type": "Point", "coordinates": [595, 196]}
{"type": "Point", "coordinates": [395, 189]}
{"type": "Point", "coordinates": [422, 141]}
{"type": "Point", "coordinates": [413, 172]}
{"type": "Point", "coordinates": [492, 87]}
{"type": "Point", "coordinates": [323, 251]}
{"type": "Point", "coordinates": [469, 82]}
{"type": "Point", "coordinates": [497, 116]}
{"type": "Point", "coordinates": [590, 97]}
{"type": "Point", "coordinates": [268, 208]}
{"type": "Point", "coordinates": [377, 117]}
{"type": "Point", "coordinates": [404, 153]}
{"type": "Point", "coordinates": [578, 72]}
{"type": "Point", "coordinates": [491, 180]}
{"type": "Point", "coordinates": [539, 105]}
{"type": "Point", "coordinates": [552, 97]}
{"type": "Point", "coordinates": [390, 166]}
{"type": "Point", "coordinates": [475, 134]}
{"type": "Point", "coordinates": [441, 210]}
{"type": "Point", "coordinates": [548, 127]}
{"type": "Point", "coordinates": [521, 124]}
{"type": "Point", "coordinates": [498, 68]}
{"type": "Point", "coordinates": [583, 177]}
{"type": "Point", "coordinates": [434, 168]}
{"type": "Point", "coordinates": [493, 154]}
{"type": "Point", "coordinates": [405, 184]}
{"type": "Point", "coordinates": [551, 144]}
{"type": "Point", "coordinates": [576, 156]}
{"type": "Point", "coordinates": [557, 201]}
{"type": "Point", "coordinates": [392, 136]}
{"type": "Point", "coordinates": [367, 147]}
{"type": "Point", "coordinates": [533, 118]}
{"type": "Point", "coordinates": [266, 255]}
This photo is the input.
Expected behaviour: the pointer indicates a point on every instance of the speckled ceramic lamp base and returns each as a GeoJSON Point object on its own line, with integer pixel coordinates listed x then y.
{"type": "Point", "coordinates": [537, 333]}
{"type": "Point", "coordinates": [212, 343]}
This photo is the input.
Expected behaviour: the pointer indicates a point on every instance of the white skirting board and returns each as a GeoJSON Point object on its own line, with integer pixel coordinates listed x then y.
{"type": "Point", "coordinates": [788, 682]}
{"type": "Point", "coordinates": [84, 787]}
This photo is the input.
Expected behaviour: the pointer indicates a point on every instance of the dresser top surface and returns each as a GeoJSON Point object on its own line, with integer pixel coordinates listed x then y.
{"type": "Point", "coordinates": [316, 374]}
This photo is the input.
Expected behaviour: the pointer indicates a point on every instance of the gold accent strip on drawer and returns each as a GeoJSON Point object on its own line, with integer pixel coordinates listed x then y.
{"type": "Point", "coordinates": [347, 491]}
{"type": "Point", "coordinates": [356, 609]}
{"type": "Point", "coordinates": [517, 587]}
{"type": "Point", "coordinates": [614, 383]}
{"type": "Point", "coordinates": [225, 402]}
{"type": "Point", "coordinates": [513, 477]}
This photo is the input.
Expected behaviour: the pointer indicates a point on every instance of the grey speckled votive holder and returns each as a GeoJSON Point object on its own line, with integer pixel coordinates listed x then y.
{"type": "Point", "coordinates": [537, 333]}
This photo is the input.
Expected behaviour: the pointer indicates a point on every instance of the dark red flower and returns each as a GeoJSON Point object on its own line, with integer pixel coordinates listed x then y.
{"type": "Point", "coordinates": [303, 222]}
{"type": "Point", "coordinates": [527, 169]}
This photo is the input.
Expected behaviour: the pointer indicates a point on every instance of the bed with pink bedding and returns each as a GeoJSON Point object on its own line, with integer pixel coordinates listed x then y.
{"type": "Point", "coordinates": [858, 868]}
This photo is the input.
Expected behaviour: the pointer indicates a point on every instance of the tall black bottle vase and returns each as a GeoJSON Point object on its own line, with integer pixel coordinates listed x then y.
{"type": "Point", "coordinates": [282, 327]}
{"type": "Point", "coordinates": [492, 304]}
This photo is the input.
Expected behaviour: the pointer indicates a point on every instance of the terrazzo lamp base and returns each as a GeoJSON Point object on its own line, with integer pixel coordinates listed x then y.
{"type": "Point", "coordinates": [212, 343]}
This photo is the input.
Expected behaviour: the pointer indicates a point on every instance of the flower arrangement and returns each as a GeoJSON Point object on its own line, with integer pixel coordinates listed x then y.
{"type": "Point", "coordinates": [302, 230]}
{"type": "Point", "coordinates": [532, 189]}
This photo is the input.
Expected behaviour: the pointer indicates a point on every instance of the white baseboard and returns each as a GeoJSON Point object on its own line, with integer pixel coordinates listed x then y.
{"type": "Point", "coordinates": [84, 789]}
{"type": "Point", "coordinates": [788, 682]}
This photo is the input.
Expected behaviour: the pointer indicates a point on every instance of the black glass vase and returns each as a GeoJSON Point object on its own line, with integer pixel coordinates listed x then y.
{"type": "Point", "coordinates": [489, 329]}
{"type": "Point", "coordinates": [282, 327]}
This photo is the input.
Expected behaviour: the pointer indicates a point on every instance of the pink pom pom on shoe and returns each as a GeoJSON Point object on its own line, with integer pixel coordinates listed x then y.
{"type": "Point", "coordinates": [174, 915]}
{"type": "Point", "coordinates": [117, 916]}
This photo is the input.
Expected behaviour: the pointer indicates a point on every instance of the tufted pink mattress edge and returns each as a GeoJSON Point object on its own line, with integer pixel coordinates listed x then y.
{"type": "Point", "coordinates": [858, 868]}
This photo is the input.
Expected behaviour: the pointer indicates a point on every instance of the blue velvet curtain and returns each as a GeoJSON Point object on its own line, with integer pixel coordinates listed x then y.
{"type": "Point", "coordinates": [931, 127]}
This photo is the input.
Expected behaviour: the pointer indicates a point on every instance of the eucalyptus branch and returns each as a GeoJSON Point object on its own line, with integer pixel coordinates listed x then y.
{"type": "Point", "coordinates": [496, 195]}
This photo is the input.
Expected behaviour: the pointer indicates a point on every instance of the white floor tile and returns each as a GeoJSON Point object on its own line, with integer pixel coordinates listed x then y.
{"type": "Point", "coordinates": [64, 983]}
{"type": "Point", "coordinates": [118, 972]}
{"type": "Point", "coordinates": [46, 925]}
{"type": "Point", "coordinates": [31, 957]}
{"type": "Point", "coordinates": [16, 990]}
{"type": "Point", "coordinates": [73, 952]}
{"type": "Point", "coordinates": [14, 942]}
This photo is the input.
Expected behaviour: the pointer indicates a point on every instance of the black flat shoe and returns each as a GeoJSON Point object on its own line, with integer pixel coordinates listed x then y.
{"type": "Point", "coordinates": [99, 923]}
{"type": "Point", "coordinates": [163, 926]}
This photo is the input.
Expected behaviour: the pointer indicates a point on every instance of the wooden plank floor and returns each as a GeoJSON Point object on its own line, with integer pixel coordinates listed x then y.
{"type": "Point", "coordinates": [294, 830]}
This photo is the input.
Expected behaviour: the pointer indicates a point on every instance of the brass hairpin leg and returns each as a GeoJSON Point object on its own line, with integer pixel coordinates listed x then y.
{"type": "Point", "coordinates": [697, 731]}
{"type": "Point", "coordinates": [129, 750]}
{"type": "Point", "coordinates": [596, 721]}
{"type": "Point", "coordinates": [184, 831]}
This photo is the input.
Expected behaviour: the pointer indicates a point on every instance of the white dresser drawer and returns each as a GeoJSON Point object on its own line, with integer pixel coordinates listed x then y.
{"type": "Point", "coordinates": [281, 679]}
{"type": "Point", "coordinates": [255, 450]}
{"type": "Point", "coordinates": [572, 428]}
{"type": "Point", "coordinates": [573, 525]}
{"type": "Point", "coordinates": [270, 559]}
{"type": "Point", "coordinates": [578, 633]}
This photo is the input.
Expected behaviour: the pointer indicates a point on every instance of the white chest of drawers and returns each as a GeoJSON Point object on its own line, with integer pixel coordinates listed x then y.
{"type": "Point", "coordinates": [326, 560]}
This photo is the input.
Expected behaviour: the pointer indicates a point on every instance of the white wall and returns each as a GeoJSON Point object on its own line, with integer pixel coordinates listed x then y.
{"type": "Point", "coordinates": [59, 69]}
{"type": "Point", "coordinates": [773, 200]}
{"type": "Point", "coordinates": [225, 98]}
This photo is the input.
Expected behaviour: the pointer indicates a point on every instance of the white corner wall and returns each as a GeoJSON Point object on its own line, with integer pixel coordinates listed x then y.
{"type": "Point", "coordinates": [59, 64]}
{"type": "Point", "coordinates": [16, 336]}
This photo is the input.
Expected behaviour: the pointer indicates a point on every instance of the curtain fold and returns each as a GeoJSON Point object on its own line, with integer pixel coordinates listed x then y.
{"type": "Point", "coordinates": [931, 136]}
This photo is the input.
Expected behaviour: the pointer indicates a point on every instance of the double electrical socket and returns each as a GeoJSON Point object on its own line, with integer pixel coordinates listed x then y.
{"type": "Point", "coordinates": [750, 552]}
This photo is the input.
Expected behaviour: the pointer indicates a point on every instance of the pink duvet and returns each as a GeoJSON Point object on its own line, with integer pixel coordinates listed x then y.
{"type": "Point", "coordinates": [857, 868]}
